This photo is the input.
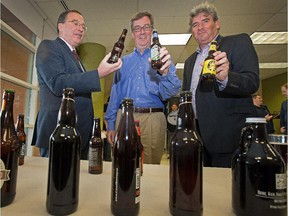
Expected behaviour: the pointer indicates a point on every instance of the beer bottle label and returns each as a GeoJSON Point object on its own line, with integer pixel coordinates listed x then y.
{"type": "Point", "coordinates": [138, 175]}
{"type": "Point", "coordinates": [94, 159]}
{"type": "Point", "coordinates": [4, 174]}
{"type": "Point", "coordinates": [209, 67]}
{"type": "Point", "coordinates": [155, 53]}
{"type": "Point", "coordinates": [213, 47]}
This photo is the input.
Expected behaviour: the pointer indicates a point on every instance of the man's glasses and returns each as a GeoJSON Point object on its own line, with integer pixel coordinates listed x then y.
{"type": "Point", "coordinates": [146, 28]}
{"type": "Point", "coordinates": [77, 24]}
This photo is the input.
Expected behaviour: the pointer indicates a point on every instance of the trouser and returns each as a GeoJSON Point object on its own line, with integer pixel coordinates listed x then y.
{"type": "Point", "coordinates": [153, 130]}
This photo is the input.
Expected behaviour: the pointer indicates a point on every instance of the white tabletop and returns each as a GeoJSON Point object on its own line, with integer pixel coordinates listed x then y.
{"type": "Point", "coordinates": [95, 190]}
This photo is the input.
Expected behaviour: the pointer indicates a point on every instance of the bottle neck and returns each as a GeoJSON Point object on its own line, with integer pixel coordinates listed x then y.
{"type": "Point", "coordinates": [259, 133]}
{"type": "Point", "coordinates": [7, 111]}
{"type": "Point", "coordinates": [20, 123]}
{"type": "Point", "coordinates": [67, 114]}
{"type": "Point", "coordinates": [96, 128]}
{"type": "Point", "coordinates": [185, 119]}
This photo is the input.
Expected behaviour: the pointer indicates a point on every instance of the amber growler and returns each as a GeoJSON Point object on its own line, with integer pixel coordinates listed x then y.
{"type": "Point", "coordinates": [95, 155]}
{"type": "Point", "coordinates": [118, 48]}
{"type": "Point", "coordinates": [156, 62]}
{"type": "Point", "coordinates": [21, 137]}
{"type": "Point", "coordinates": [259, 178]}
{"type": "Point", "coordinates": [140, 149]}
{"type": "Point", "coordinates": [209, 67]}
{"type": "Point", "coordinates": [125, 199]}
{"type": "Point", "coordinates": [185, 195]}
{"type": "Point", "coordinates": [9, 150]}
{"type": "Point", "coordinates": [64, 160]}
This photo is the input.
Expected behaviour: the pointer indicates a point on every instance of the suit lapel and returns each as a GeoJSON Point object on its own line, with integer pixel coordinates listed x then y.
{"type": "Point", "coordinates": [70, 53]}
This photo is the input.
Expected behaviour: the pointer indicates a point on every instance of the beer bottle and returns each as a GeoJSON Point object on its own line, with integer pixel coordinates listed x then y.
{"type": "Point", "coordinates": [209, 67]}
{"type": "Point", "coordinates": [156, 62]}
{"type": "Point", "coordinates": [125, 199]}
{"type": "Point", "coordinates": [21, 137]}
{"type": "Point", "coordinates": [259, 178]}
{"type": "Point", "coordinates": [9, 149]}
{"type": "Point", "coordinates": [95, 155]}
{"type": "Point", "coordinates": [118, 48]}
{"type": "Point", "coordinates": [186, 183]}
{"type": "Point", "coordinates": [64, 160]}
{"type": "Point", "coordinates": [140, 149]}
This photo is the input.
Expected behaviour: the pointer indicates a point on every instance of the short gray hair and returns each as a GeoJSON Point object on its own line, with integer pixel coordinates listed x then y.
{"type": "Point", "coordinates": [206, 8]}
{"type": "Point", "coordinates": [140, 15]}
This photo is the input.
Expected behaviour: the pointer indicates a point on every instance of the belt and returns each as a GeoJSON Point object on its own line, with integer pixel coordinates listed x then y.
{"type": "Point", "coordinates": [147, 110]}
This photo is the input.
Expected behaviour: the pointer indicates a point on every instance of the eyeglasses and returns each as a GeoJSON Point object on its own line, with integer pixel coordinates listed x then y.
{"type": "Point", "coordinates": [77, 24]}
{"type": "Point", "coordinates": [146, 28]}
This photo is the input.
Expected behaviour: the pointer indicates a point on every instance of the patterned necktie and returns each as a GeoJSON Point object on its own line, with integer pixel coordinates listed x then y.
{"type": "Point", "coordinates": [78, 59]}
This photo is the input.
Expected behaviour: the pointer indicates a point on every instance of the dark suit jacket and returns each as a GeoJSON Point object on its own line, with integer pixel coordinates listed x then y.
{"type": "Point", "coordinates": [221, 114]}
{"type": "Point", "coordinates": [57, 68]}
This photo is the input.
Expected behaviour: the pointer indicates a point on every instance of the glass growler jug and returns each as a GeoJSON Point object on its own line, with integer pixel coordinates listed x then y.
{"type": "Point", "coordinates": [186, 163]}
{"type": "Point", "coordinates": [259, 178]}
{"type": "Point", "coordinates": [125, 199]}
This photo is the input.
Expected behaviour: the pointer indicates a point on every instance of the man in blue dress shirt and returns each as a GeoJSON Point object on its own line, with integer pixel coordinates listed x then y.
{"type": "Point", "coordinates": [148, 88]}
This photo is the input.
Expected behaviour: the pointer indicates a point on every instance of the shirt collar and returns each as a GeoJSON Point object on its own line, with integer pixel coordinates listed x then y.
{"type": "Point", "coordinates": [70, 47]}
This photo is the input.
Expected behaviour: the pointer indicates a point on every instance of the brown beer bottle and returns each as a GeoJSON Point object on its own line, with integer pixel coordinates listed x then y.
{"type": "Point", "coordinates": [185, 195]}
{"type": "Point", "coordinates": [95, 156]}
{"type": "Point", "coordinates": [259, 175]}
{"type": "Point", "coordinates": [118, 48]}
{"type": "Point", "coordinates": [125, 199]}
{"type": "Point", "coordinates": [9, 150]}
{"type": "Point", "coordinates": [21, 137]}
{"type": "Point", "coordinates": [209, 67]}
{"type": "Point", "coordinates": [140, 149]}
{"type": "Point", "coordinates": [64, 160]}
{"type": "Point", "coordinates": [156, 62]}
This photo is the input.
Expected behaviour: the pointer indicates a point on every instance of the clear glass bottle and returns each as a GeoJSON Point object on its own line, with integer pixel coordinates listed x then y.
{"type": "Point", "coordinates": [156, 62]}
{"type": "Point", "coordinates": [95, 155]}
{"type": "Point", "coordinates": [9, 149]}
{"type": "Point", "coordinates": [118, 48]}
{"type": "Point", "coordinates": [259, 178]}
{"type": "Point", "coordinates": [186, 165]}
{"type": "Point", "coordinates": [126, 175]}
{"type": "Point", "coordinates": [64, 160]}
{"type": "Point", "coordinates": [209, 67]}
{"type": "Point", "coordinates": [21, 137]}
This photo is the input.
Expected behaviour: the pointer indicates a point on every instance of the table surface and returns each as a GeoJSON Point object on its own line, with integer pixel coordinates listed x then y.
{"type": "Point", "coordinates": [95, 190]}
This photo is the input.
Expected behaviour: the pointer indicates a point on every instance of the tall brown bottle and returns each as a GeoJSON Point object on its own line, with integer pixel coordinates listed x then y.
{"type": "Point", "coordinates": [125, 195]}
{"type": "Point", "coordinates": [156, 62]}
{"type": "Point", "coordinates": [118, 48]}
{"type": "Point", "coordinates": [209, 67]}
{"type": "Point", "coordinates": [21, 137]}
{"type": "Point", "coordinates": [186, 163]}
{"type": "Point", "coordinates": [64, 160]}
{"type": "Point", "coordinates": [95, 155]}
{"type": "Point", "coordinates": [9, 150]}
{"type": "Point", "coordinates": [140, 149]}
{"type": "Point", "coordinates": [259, 176]}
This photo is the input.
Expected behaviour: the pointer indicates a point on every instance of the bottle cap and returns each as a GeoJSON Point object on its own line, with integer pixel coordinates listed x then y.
{"type": "Point", "coordinates": [255, 120]}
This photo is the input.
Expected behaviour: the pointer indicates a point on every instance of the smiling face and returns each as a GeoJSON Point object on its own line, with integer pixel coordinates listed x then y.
{"type": "Point", "coordinates": [72, 29]}
{"type": "Point", "coordinates": [142, 38]}
{"type": "Point", "coordinates": [204, 28]}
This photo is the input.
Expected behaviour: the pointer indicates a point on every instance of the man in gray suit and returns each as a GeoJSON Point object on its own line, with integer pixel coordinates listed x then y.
{"type": "Point", "coordinates": [220, 112]}
{"type": "Point", "coordinates": [58, 68]}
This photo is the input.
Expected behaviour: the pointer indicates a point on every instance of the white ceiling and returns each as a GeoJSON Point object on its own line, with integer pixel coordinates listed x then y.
{"type": "Point", "coordinates": [105, 20]}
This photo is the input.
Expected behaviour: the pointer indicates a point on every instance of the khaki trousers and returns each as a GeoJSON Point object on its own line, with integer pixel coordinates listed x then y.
{"type": "Point", "coordinates": [153, 131]}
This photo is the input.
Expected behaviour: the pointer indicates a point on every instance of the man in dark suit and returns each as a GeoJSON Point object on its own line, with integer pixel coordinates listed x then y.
{"type": "Point", "coordinates": [220, 112]}
{"type": "Point", "coordinates": [58, 68]}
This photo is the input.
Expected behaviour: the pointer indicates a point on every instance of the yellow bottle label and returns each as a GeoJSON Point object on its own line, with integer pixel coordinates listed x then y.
{"type": "Point", "coordinates": [212, 47]}
{"type": "Point", "coordinates": [209, 67]}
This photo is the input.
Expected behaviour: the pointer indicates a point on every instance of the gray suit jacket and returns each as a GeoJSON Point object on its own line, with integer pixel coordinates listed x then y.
{"type": "Point", "coordinates": [221, 114]}
{"type": "Point", "coordinates": [57, 69]}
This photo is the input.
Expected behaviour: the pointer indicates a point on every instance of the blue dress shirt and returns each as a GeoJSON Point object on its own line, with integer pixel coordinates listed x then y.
{"type": "Point", "coordinates": [137, 80]}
